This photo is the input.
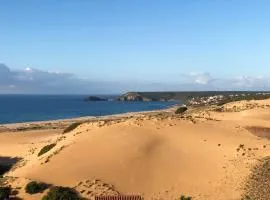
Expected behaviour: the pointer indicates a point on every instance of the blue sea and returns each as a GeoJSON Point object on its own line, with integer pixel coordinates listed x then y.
{"type": "Point", "coordinates": [28, 108]}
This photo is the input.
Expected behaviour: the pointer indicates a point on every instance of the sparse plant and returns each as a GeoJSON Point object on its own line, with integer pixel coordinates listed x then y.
{"type": "Point", "coordinates": [183, 197]}
{"type": "Point", "coordinates": [46, 148]}
{"type": "Point", "coordinates": [61, 193]}
{"type": "Point", "coordinates": [5, 192]}
{"type": "Point", "coordinates": [34, 187]}
{"type": "Point", "coordinates": [219, 109]}
{"type": "Point", "coordinates": [181, 110]}
{"type": "Point", "coordinates": [71, 127]}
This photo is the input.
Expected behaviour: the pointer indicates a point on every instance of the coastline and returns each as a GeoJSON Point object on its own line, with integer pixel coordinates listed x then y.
{"type": "Point", "coordinates": [63, 123]}
{"type": "Point", "coordinates": [196, 102]}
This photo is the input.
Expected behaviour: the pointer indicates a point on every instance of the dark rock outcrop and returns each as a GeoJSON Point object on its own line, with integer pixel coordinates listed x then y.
{"type": "Point", "coordinates": [95, 98]}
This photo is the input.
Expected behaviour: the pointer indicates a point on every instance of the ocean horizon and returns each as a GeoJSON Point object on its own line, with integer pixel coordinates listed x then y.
{"type": "Point", "coordinates": [17, 108]}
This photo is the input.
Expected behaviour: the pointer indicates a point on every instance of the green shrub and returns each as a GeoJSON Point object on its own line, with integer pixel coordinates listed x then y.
{"type": "Point", "coordinates": [183, 197]}
{"type": "Point", "coordinates": [35, 187]}
{"type": "Point", "coordinates": [181, 110]}
{"type": "Point", "coordinates": [46, 148]}
{"type": "Point", "coordinates": [219, 109]}
{"type": "Point", "coordinates": [222, 103]}
{"type": "Point", "coordinates": [72, 127]}
{"type": "Point", "coordinates": [61, 193]}
{"type": "Point", "coordinates": [5, 192]}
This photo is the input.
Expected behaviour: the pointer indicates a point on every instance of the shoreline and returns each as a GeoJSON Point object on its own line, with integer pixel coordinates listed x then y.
{"type": "Point", "coordinates": [63, 123]}
{"type": "Point", "coordinates": [200, 102]}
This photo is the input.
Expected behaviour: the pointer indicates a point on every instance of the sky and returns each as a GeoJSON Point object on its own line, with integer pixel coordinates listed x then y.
{"type": "Point", "coordinates": [114, 46]}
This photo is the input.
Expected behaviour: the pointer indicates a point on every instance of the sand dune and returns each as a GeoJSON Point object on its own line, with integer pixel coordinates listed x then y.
{"type": "Point", "coordinates": [206, 157]}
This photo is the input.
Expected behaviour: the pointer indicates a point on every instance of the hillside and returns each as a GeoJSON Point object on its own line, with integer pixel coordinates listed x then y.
{"type": "Point", "coordinates": [187, 96]}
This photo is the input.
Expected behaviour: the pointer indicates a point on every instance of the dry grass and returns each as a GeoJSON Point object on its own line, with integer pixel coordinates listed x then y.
{"type": "Point", "coordinates": [257, 186]}
{"type": "Point", "coordinates": [46, 148]}
{"type": "Point", "coordinates": [71, 127]}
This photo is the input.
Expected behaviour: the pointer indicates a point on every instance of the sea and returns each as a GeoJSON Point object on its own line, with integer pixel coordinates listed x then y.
{"type": "Point", "coordinates": [30, 108]}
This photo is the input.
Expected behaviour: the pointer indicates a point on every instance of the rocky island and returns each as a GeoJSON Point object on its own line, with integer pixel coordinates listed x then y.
{"type": "Point", "coordinates": [95, 98]}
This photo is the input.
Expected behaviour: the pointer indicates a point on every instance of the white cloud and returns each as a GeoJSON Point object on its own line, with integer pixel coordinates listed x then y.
{"type": "Point", "coordinates": [241, 82]}
{"type": "Point", "coordinates": [252, 82]}
{"type": "Point", "coordinates": [54, 82]}
{"type": "Point", "coordinates": [201, 77]}
{"type": "Point", "coordinates": [28, 69]}
{"type": "Point", "coordinates": [37, 81]}
{"type": "Point", "coordinates": [34, 81]}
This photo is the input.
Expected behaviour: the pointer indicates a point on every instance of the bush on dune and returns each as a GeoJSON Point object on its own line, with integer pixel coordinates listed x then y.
{"type": "Point", "coordinates": [5, 192]}
{"type": "Point", "coordinates": [61, 193]}
{"type": "Point", "coordinates": [181, 110]}
{"type": "Point", "coordinates": [35, 187]}
{"type": "Point", "coordinates": [46, 148]}
{"type": "Point", "coordinates": [71, 127]}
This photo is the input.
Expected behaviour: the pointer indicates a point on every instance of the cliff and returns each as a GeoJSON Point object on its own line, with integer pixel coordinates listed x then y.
{"type": "Point", "coordinates": [133, 96]}
{"type": "Point", "coordinates": [187, 97]}
{"type": "Point", "coordinates": [150, 96]}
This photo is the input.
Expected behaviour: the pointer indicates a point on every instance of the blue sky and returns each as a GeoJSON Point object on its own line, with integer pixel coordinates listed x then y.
{"type": "Point", "coordinates": [142, 44]}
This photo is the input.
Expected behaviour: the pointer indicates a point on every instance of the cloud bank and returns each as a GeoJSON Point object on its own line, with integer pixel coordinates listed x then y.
{"type": "Point", "coordinates": [33, 81]}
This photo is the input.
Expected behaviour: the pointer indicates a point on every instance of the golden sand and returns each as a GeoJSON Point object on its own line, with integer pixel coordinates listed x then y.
{"type": "Point", "coordinates": [204, 154]}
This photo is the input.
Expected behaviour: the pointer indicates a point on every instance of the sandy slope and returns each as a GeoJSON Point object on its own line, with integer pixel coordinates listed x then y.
{"type": "Point", "coordinates": [207, 155]}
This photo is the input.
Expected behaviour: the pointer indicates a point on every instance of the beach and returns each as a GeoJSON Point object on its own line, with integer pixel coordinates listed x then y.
{"type": "Point", "coordinates": [208, 152]}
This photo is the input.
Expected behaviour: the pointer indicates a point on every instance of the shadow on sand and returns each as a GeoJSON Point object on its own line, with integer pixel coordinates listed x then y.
{"type": "Point", "coordinates": [6, 163]}
{"type": "Point", "coordinates": [263, 132]}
